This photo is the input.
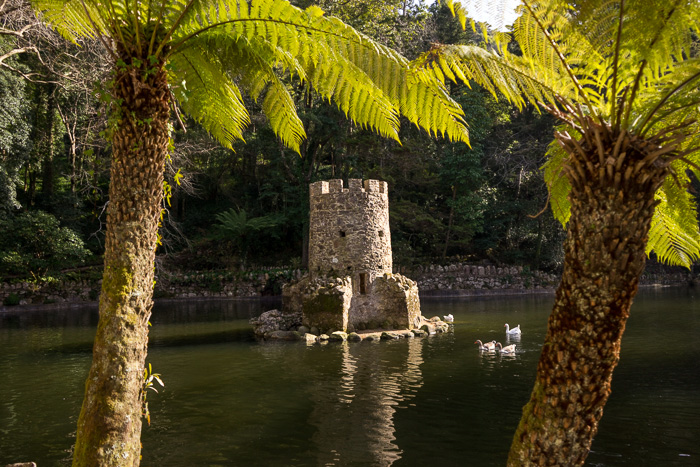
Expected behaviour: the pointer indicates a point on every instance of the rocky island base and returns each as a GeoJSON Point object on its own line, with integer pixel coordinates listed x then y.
{"type": "Point", "coordinates": [275, 325]}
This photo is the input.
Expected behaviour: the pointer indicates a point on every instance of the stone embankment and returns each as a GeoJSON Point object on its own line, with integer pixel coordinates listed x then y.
{"type": "Point", "coordinates": [454, 279]}
{"type": "Point", "coordinates": [196, 284]}
{"type": "Point", "coordinates": [469, 279]}
{"type": "Point", "coordinates": [466, 279]}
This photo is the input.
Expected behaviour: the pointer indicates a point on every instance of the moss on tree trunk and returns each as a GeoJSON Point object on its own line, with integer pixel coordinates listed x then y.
{"type": "Point", "coordinates": [109, 427]}
{"type": "Point", "coordinates": [612, 206]}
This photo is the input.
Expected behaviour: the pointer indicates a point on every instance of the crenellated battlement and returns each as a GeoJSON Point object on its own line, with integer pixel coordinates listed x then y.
{"type": "Point", "coordinates": [355, 185]}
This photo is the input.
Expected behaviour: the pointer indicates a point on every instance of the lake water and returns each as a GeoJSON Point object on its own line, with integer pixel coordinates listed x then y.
{"type": "Point", "coordinates": [231, 401]}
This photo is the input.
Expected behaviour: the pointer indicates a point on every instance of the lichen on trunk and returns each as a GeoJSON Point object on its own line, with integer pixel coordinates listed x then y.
{"type": "Point", "coordinates": [109, 426]}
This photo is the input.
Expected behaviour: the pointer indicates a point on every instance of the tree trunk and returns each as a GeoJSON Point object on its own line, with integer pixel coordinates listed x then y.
{"type": "Point", "coordinates": [604, 257]}
{"type": "Point", "coordinates": [47, 185]}
{"type": "Point", "coordinates": [109, 427]}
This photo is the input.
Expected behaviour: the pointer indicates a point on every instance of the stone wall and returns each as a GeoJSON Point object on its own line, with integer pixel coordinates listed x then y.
{"type": "Point", "coordinates": [476, 279]}
{"type": "Point", "coordinates": [457, 279]}
{"type": "Point", "coordinates": [349, 228]}
{"type": "Point", "coordinates": [197, 284]}
{"type": "Point", "coordinates": [436, 279]}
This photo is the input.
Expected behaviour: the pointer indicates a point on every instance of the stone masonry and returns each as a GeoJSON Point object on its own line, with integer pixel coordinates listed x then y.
{"type": "Point", "coordinates": [350, 285]}
{"type": "Point", "coordinates": [349, 228]}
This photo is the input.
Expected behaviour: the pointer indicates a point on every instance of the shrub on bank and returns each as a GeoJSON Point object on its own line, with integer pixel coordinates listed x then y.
{"type": "Point", "coordinates": [33, 242]}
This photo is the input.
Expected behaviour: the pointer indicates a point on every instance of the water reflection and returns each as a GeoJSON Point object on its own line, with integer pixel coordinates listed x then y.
{"type": "Point", "coordinates": [490, 362]}
{"type": "Point", "coordinates": [354, 411]}
{"type": "Point", "coordinates": [202, 310]}
{"type": "Point", "coordinates": [231, 401]}
{"type": "Point", "coordinates": [514, 339]}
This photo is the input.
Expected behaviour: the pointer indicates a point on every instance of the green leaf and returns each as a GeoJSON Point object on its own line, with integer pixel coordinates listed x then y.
{"type": "Point", "coordinates": [557, 183]}
{"type": "Point", "coordinates": [674, 235]}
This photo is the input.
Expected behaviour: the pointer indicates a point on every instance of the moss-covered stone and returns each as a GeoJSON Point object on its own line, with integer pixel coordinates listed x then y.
{"type": "Point", "coordinates": [354, 337]}
{"type": "Point", "coordinates": [338, 336]}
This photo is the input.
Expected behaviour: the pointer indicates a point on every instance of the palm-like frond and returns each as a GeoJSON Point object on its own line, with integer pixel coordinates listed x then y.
{"type": "Point", "coordinates": [237, 223]}
{"type": "Point", "coordinates": [557, 184]}
{"type": "Point", "coordinates": [513, 79]}
{"type": "Point", "coordinates": [279, 107]}
{"type": "Point", "coordinates": [674, 236]}
{"type": "Point", "coordinates": [207, 92]}
{"type": "Point", "coordinates": [612, 57]}
{"type": "Point", "coordinates": [371, 83]}
{"type": "Point", "coordinates": [72, 19]}
{"type": "Point", "coordinates": [458, 11]}
{"type": "Point", "coordinates": [628, 63]}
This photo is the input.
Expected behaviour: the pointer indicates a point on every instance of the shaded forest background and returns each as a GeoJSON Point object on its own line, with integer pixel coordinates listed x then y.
{"type": "Point", "coordinates": [249, 207]}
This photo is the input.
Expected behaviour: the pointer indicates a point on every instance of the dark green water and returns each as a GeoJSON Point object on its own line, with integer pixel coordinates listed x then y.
{"type": "Point", "coordinates": [230, 401]}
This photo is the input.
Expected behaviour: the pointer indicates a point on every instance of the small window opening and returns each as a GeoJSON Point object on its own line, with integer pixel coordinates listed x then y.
{"type": "Point", "coordinates": [363, 283]}
{"type": "Point", "coordinates": [381, 233]}
{"type": "Point", "coordinates": [341, 233]}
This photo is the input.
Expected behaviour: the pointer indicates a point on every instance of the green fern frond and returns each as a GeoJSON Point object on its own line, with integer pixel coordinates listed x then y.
{"type": "Point", "coordinates": [205, 91]}
{"type": "Point", "coordinates": [458, 11]}
{"type": "Point", "coordinates": [366, 80]}
{"type": "Point", "coordinates": [558, 185]}
{"type": "Point", "coordinates": [513, 79]}
{"type": "Point", "coordinates": [281, 112]}
{"type": "Point", "coordinates": [674, 236]}
{"type": "Point", "coordinates": [71, 18]}
{"type": "Point", "coordinates": [232, 221]}
{"type": "Point", "coordinates": [209, 40]}
{"type": "Point", "coordinates": [669, 97]}
{"type": "Point", "coordinates": [236, 223]}
{"type": "Point", "coordinates": [611, 61]}
{"type": "Point", "coordinates": [436, 112]}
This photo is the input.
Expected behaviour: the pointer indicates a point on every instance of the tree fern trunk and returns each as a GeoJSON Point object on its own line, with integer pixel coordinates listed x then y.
{"type": "Point", "coordinates": [604, 257]}
{"type": "Point", "coordinates": [109, 427]}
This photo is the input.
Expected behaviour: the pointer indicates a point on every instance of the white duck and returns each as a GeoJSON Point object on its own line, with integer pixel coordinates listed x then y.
{"type": "Point", "coordinates": [507, 349]}
{"type": "Point", "coordinates": [489, 346]}
{"type": "Point", "coordinates": [449, 318]}
{"type": "Point", "coordinates": [513, 332]}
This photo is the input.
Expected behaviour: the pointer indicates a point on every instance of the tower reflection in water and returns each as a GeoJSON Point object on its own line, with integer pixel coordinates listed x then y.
{"type": "Point", "coordinates": [354, 406]}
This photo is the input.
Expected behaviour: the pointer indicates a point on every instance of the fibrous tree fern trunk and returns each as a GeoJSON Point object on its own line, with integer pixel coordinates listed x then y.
{"type": "Point", "coordinates": [613, 179]}
{"type": "Point", "coordinates": [109, 427]}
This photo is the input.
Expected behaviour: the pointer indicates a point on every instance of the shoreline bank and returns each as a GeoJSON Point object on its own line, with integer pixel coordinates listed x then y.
{"type": "Point", "coordinates": [428, 295]}
{"type": "Point", "coordinates": [434, 281]}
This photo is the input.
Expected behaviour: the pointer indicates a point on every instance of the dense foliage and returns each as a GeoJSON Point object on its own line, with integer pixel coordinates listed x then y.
{"type": "Point", "coordinates": [34, 242]}
{"type": "Point", "coordinates": [446, 199]}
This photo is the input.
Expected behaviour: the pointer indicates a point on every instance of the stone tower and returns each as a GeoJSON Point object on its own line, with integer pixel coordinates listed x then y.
{"type": "Point", "coordinates": [350, 285]}
{"type": "Point", "coordinates": [349, 230]}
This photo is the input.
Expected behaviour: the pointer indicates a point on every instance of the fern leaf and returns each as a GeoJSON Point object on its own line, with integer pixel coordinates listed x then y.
{"type": "Point", "coordinates": [674, 236]}
{"type": "Point", "coordinates": [558, 185]}
{"type": "Point", "coordinates": [206, 92]}
{"type": "Point", "coordinates": [281, 111]}
{"type": "Point", "coordinates": [72, 19]}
